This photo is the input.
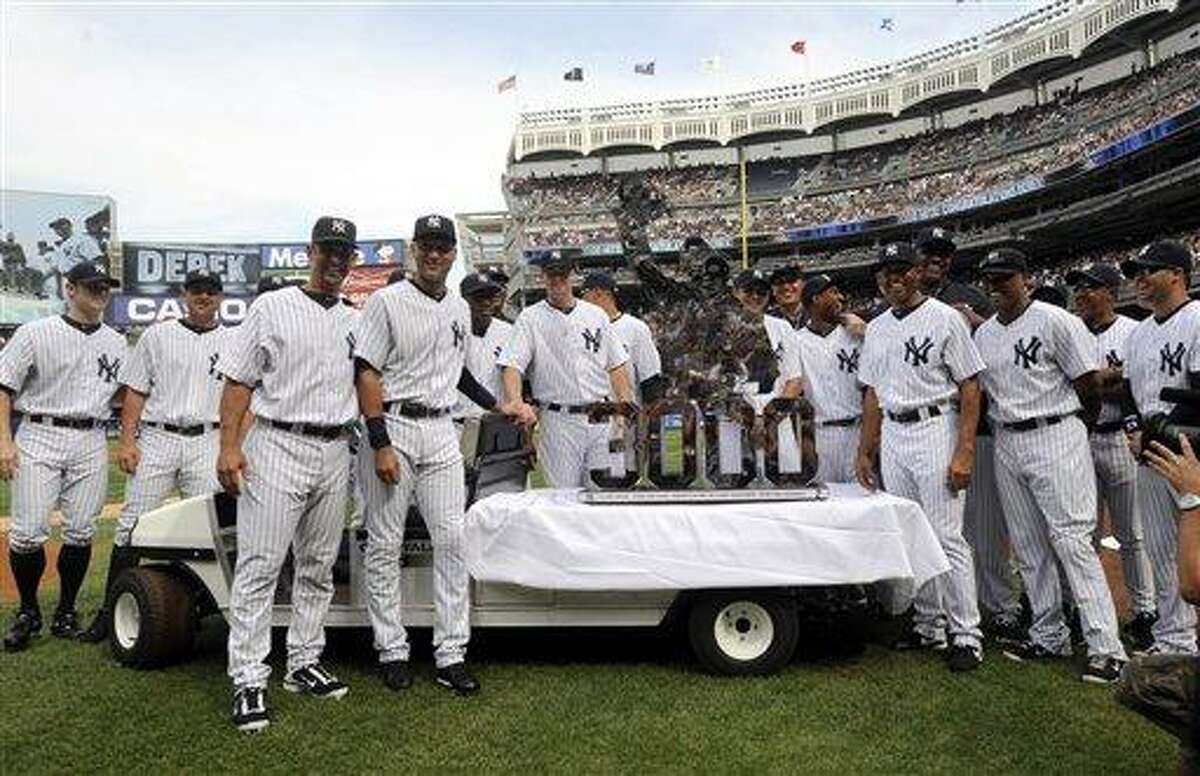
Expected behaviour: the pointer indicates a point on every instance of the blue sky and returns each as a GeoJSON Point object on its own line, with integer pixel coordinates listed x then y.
{"type": "Point", "coordinates": [227, 123]}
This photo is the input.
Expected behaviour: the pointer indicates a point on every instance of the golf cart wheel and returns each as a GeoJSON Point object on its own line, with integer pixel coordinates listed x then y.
{"type": "Point", "coordinates": [153, 619]}
{"type": "Point", "coordinates": [743, 632]}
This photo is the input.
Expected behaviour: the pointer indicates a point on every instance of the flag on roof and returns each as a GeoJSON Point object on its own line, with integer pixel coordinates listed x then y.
{"type": "Point", "coordinates": [644, 68]}
{"type": "Point", "coordinates": [886, 24]}
{"type": "Point", "coordinates": [506, 84]}
{"type": "Point", "coordinates": [574, 74]}
{"type": "Point", "coordinates": [799, 46]}
{"type": "Point", "coordinates": [711, 65]}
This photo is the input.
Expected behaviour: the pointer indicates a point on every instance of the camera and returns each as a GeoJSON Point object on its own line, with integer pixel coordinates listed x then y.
{"type": "Point", "coordinates": [1165, 428]}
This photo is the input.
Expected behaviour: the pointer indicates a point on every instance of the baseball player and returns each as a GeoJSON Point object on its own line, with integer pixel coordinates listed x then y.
{"type": "Point", "coordinates": [70, 249]}
{"type": "Point", "coordinates": [293, 359]}
{"type": "Point", "coordinates": [168, 418]}
{"type": "Point", "coordinates": [829, 357]}
{"type": "Point", "coordinates": [489, 333]}
{"type": "Point", "coordinates": [1164, 352]}
{"type": "Point", "coordinates": [983, 519]}
{"type": "Point", "coordinates": [1041, 373]}
{"type": "Point", "coordinates": [413, 342]}
{"type": "Point", "coordinates": [1096, 287]}
{"type": "Point", "coordinates": [916, 359]}
{"type": "Point", "coordinates": [58, 374]}
{"type": "Point", "coordinates": [567, 348]}
{"type": "Point", "coordinates": [645, 364]}
{"type": "Point", "coordinates": [787, 285]}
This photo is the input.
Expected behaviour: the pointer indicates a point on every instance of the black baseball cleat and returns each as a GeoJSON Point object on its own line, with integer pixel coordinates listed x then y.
{"type": "Point", "coordinates": [963, 657]}
{"type": "Point", "coordinates": [24, 626]}
{"type": "Point", "coordinates": [456, 677]}
{"type": "Point", "coordinates": [396, 674]}
{"type": "Point", "coordinates": [1102, 670]}
{"type": "Point", "coordinates": [1139, 631]}
{"type": "Point", "coordinates": [315, 681]}
{"type": "Point", "coordinates": [1030, 652]}
{"type": "Point", "coordinates": [250, 710]}
{"type": "Point", "coordinates": [1006, 630]}
{"type": "Point", "coordinates": [65, 624]}
{"type": "Point", "coordinates": [912, 640]}
{"type": "Point", "coordinates": [98, 630]}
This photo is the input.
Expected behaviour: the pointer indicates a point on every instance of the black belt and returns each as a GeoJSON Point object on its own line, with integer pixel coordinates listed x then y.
{"type": "Point", "coordinates": [570, 409]}
{"type": "Point", "coordinates": [309, 429]}
{"type": "Point", "coordinates": [187, 431]}
{"type": "Point", "coordinates": [411, 409]}
{"type": "Point", "coordinates": [842, 421]}
{"type": "Point", "coordinates": [54, 420]}
{"type": "Point", "coordinates": [1110, 427]}
{"type": "Point", "coordinates": [1032, 423]}
{"type": "Point", "coordinates": [912, 416]}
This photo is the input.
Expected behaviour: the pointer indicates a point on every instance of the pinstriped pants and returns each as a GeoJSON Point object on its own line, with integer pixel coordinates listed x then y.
{"type": "Point", "coordinates": [570, 447]}
{"type": "Point", "coordinates": [1116, 483]}
{"type": "Point", "coordinates": [431, 471]}
{"type": "Point", "coordinates": [915, 461]}
{"type": "Point", "coordinates": [837, 452]}
{"type": "Point", "coordinates": [1175, 630]}
{"type": "Point", "coordinates": [293, 494]}
{"type": "Point", "coordinates": [1049, 501]}
{"type": "Point", "coordinates": [57, 466]}
{"type": "Point", "coordinates": [987, 533]}
{"type": "Point", "coordinates": [167, 460]}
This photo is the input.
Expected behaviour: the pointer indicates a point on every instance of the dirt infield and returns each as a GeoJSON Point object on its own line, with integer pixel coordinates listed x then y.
{"type": "Point", "coordinates": [8, 586]}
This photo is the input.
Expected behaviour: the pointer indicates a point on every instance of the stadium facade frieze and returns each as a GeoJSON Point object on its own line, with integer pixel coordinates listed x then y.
{"type": "Point", "coordinates": [1063, 30]}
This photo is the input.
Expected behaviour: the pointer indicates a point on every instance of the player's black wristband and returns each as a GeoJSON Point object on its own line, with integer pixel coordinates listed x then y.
{"type": "Point", "coordinates": [1132, 423]}
{"type": "Point", "coordinates": [377, 434]}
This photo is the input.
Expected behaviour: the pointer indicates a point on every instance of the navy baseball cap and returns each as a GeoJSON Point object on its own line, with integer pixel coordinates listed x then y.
{"type": "Point", "coordinates": [396, 275]}
{"type": "Point", "coordinates": [752, 279]}
{"type": "Point", "coordinates": [331, 229]}
{"type": "Point", "coordinates": [935, 241]}
{"type": "Point", "coordinates": [598, 280]}
{"type": "Point", "coordinates": [478, 283]}
{"type": "Point", "coordinates": [1004, 261]}
{"type": "Point", "coordinates": [435, 228]}
{"type": "Point", "coordinates": [1050, 294]}
{"type": "Point", "coordinates": [815, 286]}
{"type": "Point", "coordinates": [1164, 254]}
{"type": "Point", "coordinates": [1095, 276]}
{"type": "Point", "coordinates": [87, 272]}
{"type": "Point", "coordinates": [785, 274]}
{"type": "Point", "coordinates": [202, 278]}
{"type": "Point", "coordinates": [555, 261]}
{"type": "Point", "coordinates": [896, 253]}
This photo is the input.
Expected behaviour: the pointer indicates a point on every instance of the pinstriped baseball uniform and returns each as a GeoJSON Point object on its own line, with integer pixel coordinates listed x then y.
{"type": "Point", "coordinates": [782, 338]}
{"type": "Point", "coordinates": [419, 345]}
{"type": "Point", "coordinates": [915, 361]}
{"type": "Point", "coordinates": [361, 455]}
{"type": "Point", "coordinates": [1116, 474]}
{"type": "Point", "coordinates": [566, 356]}
{"type": "Point", "coordinates": [298, 352]}
{"type": "Point", "coordinates": [481, 363]}
{"type": "Point", "coordinates": [644, 360]}
{"type": "Point", "coordinates": [986, 531]}
{"type": "Point", "coordinates": [1050, 507]}
{"type": "Point", "coordinates": [57, 367]}
{"type": "Point", "coordinates": [830, 366]}
{"type": "Point", "coordinates": [1166, 353]}
{"type": "Point", "coordinates": [175, 366]}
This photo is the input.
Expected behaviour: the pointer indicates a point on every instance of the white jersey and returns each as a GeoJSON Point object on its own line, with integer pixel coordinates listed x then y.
{"type": "Point", "coordinates": [299, 357]}
{"type": "Point", "coordinates": [481, 363]}
{"type": "Point", "coordinates": [1111, 348]}
{"type": "Point", "coordinates": [1166, 352]}
{"type": "Point", "coordinates": [55, 367]}
{"type": "Point", "coordinates": [783, 341]}
{"type": "Point", "coordinates": [418, 343]}
{"type": "Point", "coordinates": [1031, 362]}
{"type": "Point", "coordinates": [177, 368]}
{"type": "Point", "coordinates": [919, 358]}
{"type": "Point", "coordinates": [830, 367]}
{"type": "Point", "coordinates": [567, 356]}
{"type": "Point", "coordinates": [644, 361]}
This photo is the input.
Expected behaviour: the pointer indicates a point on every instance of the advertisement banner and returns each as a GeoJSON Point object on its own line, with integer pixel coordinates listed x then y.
{"type": "Point", "coordinates": [288, 257]}
{"type": "Point", "coordinates": [159, 268]}
{"type": "Point", "coordinates": [363, 280]}
{"type": "Point", "coordinates": [145, 309]}
{"type": "Point", "coordinates": [43, 235]}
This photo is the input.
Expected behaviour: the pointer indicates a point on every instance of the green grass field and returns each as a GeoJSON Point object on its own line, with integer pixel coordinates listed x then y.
{"type": "Point", "coordinates": [559, 701]}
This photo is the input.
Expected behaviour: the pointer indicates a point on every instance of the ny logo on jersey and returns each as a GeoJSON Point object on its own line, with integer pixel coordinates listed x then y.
{"type": "Point", "coordinates": [212, 365]}
{"type": "Point", "coordinates": [1114, 361]}
{"type": "Point", "coordinates": [106, 369]}
{"type": "Point", "coordinates": [779, 352]}
{"type": "Point", "coordinates": [460, 334]}
{"type": "Point", "coordinates": [1171, 360]}
{"type": "Point", "coordinates": [496, 352]}
{"type": "Point", "coordinates": [917, 354]}
{"type": "Point", "coordinates": [1024, 355]}
{"type": "Point", "coordinates": [848, 361]}
{"type": "Point", "coordinates": [350, 343]}
{"type": "Point", "coordinates": [591, 340]}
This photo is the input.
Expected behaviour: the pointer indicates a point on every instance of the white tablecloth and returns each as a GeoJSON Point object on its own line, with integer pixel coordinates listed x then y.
{"type": "Point", "coordinates": [548, 539]}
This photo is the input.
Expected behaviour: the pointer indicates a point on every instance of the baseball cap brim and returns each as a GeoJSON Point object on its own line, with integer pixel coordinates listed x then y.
{"type": "Point", "coordinates": [1130, 267]}
{"type": "Point", "coordinates": [1079, 277]}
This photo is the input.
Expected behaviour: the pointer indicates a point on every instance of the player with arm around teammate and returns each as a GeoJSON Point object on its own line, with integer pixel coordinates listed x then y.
{"type": "Point", "coordinates": [484, 294]}
{"type": "Point", "coordinates": [917, 358]}
{"type": "Point", "coordinates": [411, 362]}
{"type": "Point", "coordinates": [1041, 362]}
{"type": "Point", "coordinates": [293, 359]}
{"type": "Point", "coordinates": [573, 359]}
{"type": "Point", "coordinates": [58, 375]}
{"type": "Point", "coordinates": [169, 418]}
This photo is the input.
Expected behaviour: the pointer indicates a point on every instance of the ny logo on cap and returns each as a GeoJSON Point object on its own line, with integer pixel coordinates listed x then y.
{"type": "Point", "coordinates": [338, 225]}
{"type": "Point", "coordinates": [993, 256]}
{"type": "Point", "coordinates": [893, 249]}
{"type": "Point", "coordinates": [433, 222]}
{"type": "Point", "coordinates": [1145, 249]}
{"type": "Point", "coordinates": [938, 232]}
{"type": "Point", "coordinates": [99, 267]}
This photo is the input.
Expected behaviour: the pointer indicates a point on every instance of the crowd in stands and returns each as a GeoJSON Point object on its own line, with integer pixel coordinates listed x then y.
{"type": "Point", "coordinates": [875, 181]}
